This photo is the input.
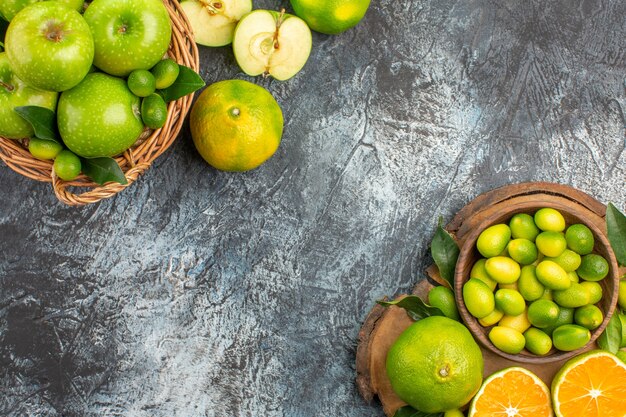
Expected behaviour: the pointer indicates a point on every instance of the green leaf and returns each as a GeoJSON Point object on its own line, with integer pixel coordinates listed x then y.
{"type": "Point", "coordinates": [102, 170]}
{"type": "Point", "coordinates": [445, 252]}
{"type": "Point", "coordinates": [43, 121]}
{"type": "Point", "coordinates": [414, 306]}
{"type": "Point", "coordinates": [187, 82]}
{"type": "Point", "coordinates": [616, 230]}
{"type": "Point", "coordinates": [611, 337]}
{"type": "Point", "coordinates": [408, 411]}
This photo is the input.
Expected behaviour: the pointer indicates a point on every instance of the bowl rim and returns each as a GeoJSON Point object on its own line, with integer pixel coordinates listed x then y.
{"type": "Point", "coordinates": [522, 205]}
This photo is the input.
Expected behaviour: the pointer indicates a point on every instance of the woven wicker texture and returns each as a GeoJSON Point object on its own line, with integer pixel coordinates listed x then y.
{"type": "Point", "coordinates": [134, 161]}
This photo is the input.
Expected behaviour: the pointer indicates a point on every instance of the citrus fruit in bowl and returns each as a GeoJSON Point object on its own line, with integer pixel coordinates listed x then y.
{"type": "Point", "coordinates": [555, 274]}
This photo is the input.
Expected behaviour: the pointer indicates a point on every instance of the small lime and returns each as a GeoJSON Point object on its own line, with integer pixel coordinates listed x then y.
{"type": "Point", "coordinates": [537, 341]}
{"type": "Point", "coordinates": [579, 239]}
{"type": "Point", "coordinates": [568, 260]}
{"type": "Point", "coordinates": [67, 165]}
{"type": "Point", "coordinates": [573, 276]}
{"type": "Point", "coordinates": [479, 272]}
{"type": "Point", "coordinates": [519, 322]}
{"type": "Point", "coordinates": [551, 244]}
{"type": "Point", "coordinates": [478, 298]}
{"type": "Point", "coordinates": [443, 298]}
{"type": "Point", "coordinates": [588, 316]}
{"type": "Point", "coordinates": [528, 284]}
{"type": "Point", "coordinates": [549, 219]}
{"type": "Point", "coordinates": [522, 251]}
{"type": "Point", "coordinates": [543, 313]}
{"type": "Point", "coordinates": [510, 302]}
{"type": "Point", "coordinates": [491, 318]}
{"type": "Point", "coordinates": [493, 240]}
{"type": "Point", "coordinates": [574, 296]}
{"type": "Point", "coordinates": [154, 111]}
{"type": "Point", "coordinates": [570, 337]}
{"type": "Point", "coordinates": [552, 276]}
{"type": "Point", "coordinates": [593, 267]}
{"type": "Point", "coordinates": [523, 226]}
{"type": "Point", "coordinates": [141, 83]}
{"type": "Point", "coordinates": [503, 270]}
{"type": "Point", "coordinates": [507, 340]}
{"type": "Point", "coordinates": [594, 291]}
{"type": "Point", "coordinates": [44, 149]}
{"type": "Point", "coordinates": [547, 294]}
{"type": "Point", "coordinates": [512, 286]}
{"type": "Point", "coordinates": [165, 73]}
{"type": "Point", "coordinates": [566, 316]}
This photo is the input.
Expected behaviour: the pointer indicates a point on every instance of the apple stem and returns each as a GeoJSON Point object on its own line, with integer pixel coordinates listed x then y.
{"type": "Point", "coordinates": [279, 22]}
{"type": "Point", "coordinates": [8, 87]}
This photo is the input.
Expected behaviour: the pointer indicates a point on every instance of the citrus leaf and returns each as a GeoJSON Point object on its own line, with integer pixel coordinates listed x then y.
{"type": "Point", "coordinates": [408, 411]}
{"type": "Point", "coordinates": [43, 121]}
{"type": "Point", "coordinates": [414, 306]}
{"type": "Point", "coordinates": [616, 230]}
{"type": "Point", "coordinates": [611, 337]}
{"type": "Point", "coordinates": [445, 252]}
{"type": "Point", "coordinates": [187, 82]}
{"type": "Point", "coordinates": [102, 170]}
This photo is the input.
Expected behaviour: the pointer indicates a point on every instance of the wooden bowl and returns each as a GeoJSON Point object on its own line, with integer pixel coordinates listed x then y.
{"type": "Point", "coordinates": [573, 213]}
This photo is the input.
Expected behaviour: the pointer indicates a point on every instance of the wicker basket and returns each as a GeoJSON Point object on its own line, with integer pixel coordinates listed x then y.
{"type": "Point", "coordinates": [138, 158]}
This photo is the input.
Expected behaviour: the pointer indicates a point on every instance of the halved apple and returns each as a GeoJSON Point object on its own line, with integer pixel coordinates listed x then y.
{"type": "Point", "coordinates": [271, 43]}
{"type": "Point", "coordinates": [213, 21]}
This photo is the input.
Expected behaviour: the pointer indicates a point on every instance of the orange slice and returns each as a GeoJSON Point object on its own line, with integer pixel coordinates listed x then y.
{"type": "Point", "coordinates": [512, 392]}
{"type": "Point", "coordinates": [590, 385]}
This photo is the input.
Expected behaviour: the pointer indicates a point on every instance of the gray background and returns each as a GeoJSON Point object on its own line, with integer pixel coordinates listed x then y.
{"type": "Point", "coordinates": [202, 293]}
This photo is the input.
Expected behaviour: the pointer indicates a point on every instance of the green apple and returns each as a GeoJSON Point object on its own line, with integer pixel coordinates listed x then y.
{"type": "Point", "coordinates": [49, 46]}
{"type": "Point", "coordinates": [268, 42]}
{"type": "Point", "coordinates": [9, 8]}
{"type": "Point", "coordinates": [128, 35]}
{"type": "Point", "coordinates": [99, 117]}
{"type": "Point", "coordinates": [15, 93]}
{"type": "Point", "coordinates": [213, 21]}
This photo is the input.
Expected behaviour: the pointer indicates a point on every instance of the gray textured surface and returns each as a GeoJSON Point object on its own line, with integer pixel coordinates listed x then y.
{"type": "Point", "coordinates": [201, 293]}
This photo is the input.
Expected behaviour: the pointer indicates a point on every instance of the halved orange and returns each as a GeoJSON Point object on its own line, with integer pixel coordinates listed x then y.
{"type": "Point", "coordinates": [512, 392]}
{"type": "Point", "coordinates": [590, 385]}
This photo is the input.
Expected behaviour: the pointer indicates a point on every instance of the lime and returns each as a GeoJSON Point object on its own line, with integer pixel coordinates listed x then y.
{"type": "Point", "coordinates": [512, 286]}
{"type": "Point", "coordinates": [141, 82]}
{"type": "Point", "coordinates": [549, 219]}
{"type": "Point", "coordinates": [566, 316]}
{"type": "Point", "coordinates": [568, 260]}
{"type": "Point", "coordinates": [443, 298]}
{"type": "Point", "coordinates": [493, 240]}
{"type": "Point", "coordinates": [510, 302]}
{"type": "Point", "coordinates": [519, 322]}
{"type": "Point", "coordinates": [330, 16]}
{"type": "Point", "coordinates": [573, 276]}
{"type": "Point", "coordinates": [528, 284]}
{"type": "Point", "coordinates": [44, 149]}
{"type": "Point", "coordinates": [491, 318]}
{"type": "Point", "coordinates": [594, 291]}
{"type": "Point", "coordinates": [588, 316]}
{"type": "Point", "coordinates": [478, 298]}
{"type": "Point", "coordinates": [479, 272]}
{"type": "Point", "coordinates": [552, 276]}
{"type": "Point", "coordinates": [543, 313]}
{"type": "Point", "coordinates": [507, 340]}
{"type": "Point", "coordinates": [439, 356]}
{"type": "Point", "coordinates": [522, 251]}
{"type": "Point", "coordinates": [236, 125]}
{"type": "Point", "coordinates": [503, 270]}
{"type": "Point", "coordinates": [593, 267]}
{"type": "Point", "coordinates": [523, 226]}
{"type": "Point", "coordinates": [570, 337]}
{"type": "Point", "coordinates": [67, 165]}
{"type": "Point", "coordinates": [547, 294]}
{"type": "Point", "coordinates": [574, 296]}
{"type": "Point", "coordinates": [537, 342]}
{"type": "Point", "coordinates": [579, 239]}
{"type": "Point", "coordinates": [621, 300]}
{"type": "Point", "coordinates": [165, 73]}
{"type": "Point", "coordinates": [154, 111]}
{"type": "Point", "coordinates": [551, 243]}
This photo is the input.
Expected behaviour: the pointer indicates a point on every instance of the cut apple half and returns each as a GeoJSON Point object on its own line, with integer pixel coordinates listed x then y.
{"type": "Point", "coordinates": [271, 43]}
{"type": "Point", "coordinates": [213, 21]}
